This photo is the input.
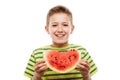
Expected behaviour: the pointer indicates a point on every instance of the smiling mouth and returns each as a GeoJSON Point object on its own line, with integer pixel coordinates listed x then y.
{"type": "Point", "coordinates": [60, 35]}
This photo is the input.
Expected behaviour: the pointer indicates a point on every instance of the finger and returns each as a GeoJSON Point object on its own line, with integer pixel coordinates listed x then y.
{"type": "Point", "coordinates": [39, 66]}
{"type": "Point", "coordinates": [41, 61]}
{"type": "Point", "coordinates": [85, 63]}
{"type": "Point", "coordinates": [82, 68]}
{"type": "Point", "coordinates": [42, 69]}
{"type": "Point", "coordinates": [83, 60]}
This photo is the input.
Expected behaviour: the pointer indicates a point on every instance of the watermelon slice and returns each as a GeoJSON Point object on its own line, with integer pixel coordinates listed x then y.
{"type": "Point", "coordinates": [62, 62]}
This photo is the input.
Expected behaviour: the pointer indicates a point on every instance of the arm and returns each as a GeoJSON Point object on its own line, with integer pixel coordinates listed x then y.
{"type": "Point", "coordinates": [36, 77]}
{"type": "Point", "coordinates": [87, 77]}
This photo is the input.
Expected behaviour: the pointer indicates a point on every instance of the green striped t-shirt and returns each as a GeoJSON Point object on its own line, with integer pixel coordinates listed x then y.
{"type": "Point", "coordinates": [51, 75]}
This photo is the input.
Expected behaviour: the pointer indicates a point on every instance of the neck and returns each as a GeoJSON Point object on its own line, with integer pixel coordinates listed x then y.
{"type": "Point", "coordinates": [59, 45]}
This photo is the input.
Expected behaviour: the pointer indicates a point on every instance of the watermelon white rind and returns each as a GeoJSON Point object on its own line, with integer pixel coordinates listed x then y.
{"type": "Point", "coordinates": [62, 62]}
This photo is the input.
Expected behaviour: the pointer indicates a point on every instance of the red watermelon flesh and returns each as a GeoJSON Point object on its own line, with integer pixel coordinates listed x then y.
{"type": "Point", "coordinates": [62, 62]}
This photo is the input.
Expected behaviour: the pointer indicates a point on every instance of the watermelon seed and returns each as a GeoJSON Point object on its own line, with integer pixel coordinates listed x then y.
{"type": "Point", "coordinates": [55, 58]}
{"type": "Point", "coordinates": [60, 61]}
{"type": "Point", "coordinates": [69, 58]}
{"type": "Point", "coordinates": [51, 55]}
{"type": "Point", "coordinates": [72, 50]}
{"type": "Point", "coordinates": [74, 56]}
{"type": "Point", "coordinates": [52, 61]}
{"type": "Point", "coordinates": [62, 66]}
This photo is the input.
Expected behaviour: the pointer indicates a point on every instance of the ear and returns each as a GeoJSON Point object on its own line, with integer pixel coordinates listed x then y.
{"type": "Point", "coordinates": [72, 29]}
{"type": "Point", "coordinates": [47, 29]}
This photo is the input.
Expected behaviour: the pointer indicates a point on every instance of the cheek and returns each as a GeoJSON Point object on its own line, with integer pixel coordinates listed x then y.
{"type": "Point", "coordinates": [68, 31]}
{"type": "Point", "coordinates": [51, 31]}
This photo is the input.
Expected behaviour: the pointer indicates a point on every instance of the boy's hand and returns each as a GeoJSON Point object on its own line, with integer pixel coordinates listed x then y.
{"type": "Point", "coordinates": [84, 67]}
{"type": "Point", "coordinates": [40, 67]}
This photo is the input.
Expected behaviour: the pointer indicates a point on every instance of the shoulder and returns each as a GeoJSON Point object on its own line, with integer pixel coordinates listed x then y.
{"type": "Point", "coordinates": [41, 49]}
{"type": "Point", "coordinates": [78, 47]}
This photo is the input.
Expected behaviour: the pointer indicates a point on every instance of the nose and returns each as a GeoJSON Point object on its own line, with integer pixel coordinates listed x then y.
{"type": "Point", "coordinates": [60, 29]}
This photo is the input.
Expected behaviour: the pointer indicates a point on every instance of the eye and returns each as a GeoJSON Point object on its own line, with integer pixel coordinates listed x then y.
{"type": "Point", "coordinates": [65, 24]}
{"type": "Point", "coordinates": [54, 25]}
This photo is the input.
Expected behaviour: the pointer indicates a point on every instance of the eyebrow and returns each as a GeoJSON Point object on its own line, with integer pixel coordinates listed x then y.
{"type": "Point", "coordinates": [65, 22]}
{"type": "Point", "coordinates": [57, 22]}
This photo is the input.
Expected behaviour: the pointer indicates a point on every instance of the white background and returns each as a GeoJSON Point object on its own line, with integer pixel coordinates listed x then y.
{"type": "Point", "coordinates": [96, 23]}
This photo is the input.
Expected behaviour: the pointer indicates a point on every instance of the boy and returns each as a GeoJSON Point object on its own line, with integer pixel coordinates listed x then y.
{"type": "Point", "coordinates": [59, 26]}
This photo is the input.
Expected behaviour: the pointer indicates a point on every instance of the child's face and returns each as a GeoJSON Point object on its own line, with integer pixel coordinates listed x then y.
{"type": "Point", "coordinates": [59, 27]}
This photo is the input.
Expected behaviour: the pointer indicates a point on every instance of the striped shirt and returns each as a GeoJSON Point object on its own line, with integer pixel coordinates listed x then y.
{"type": "Point", "coordinates": [51, 75]}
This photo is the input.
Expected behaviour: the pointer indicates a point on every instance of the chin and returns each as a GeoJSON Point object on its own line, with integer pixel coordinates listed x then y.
{"type": "Point", "coordinates": [60, 42]}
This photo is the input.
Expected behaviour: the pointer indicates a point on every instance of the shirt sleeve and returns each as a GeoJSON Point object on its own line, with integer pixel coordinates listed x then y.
{"type": "Point", "coordinates": [86, 56]}
{"type": "Point", "coordinates": [29, 71]}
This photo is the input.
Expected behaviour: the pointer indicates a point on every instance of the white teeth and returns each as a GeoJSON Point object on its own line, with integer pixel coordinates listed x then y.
{"type": "Point", "coordinates": [59, 35]}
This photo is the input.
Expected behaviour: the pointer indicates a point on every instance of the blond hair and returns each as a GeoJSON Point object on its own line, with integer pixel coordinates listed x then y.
{"type": "Point", "coordinates": [58, 9]}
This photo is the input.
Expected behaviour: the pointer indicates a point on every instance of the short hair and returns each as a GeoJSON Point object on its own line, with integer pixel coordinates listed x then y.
{"type": "Point", "coordinates": [58, 9]}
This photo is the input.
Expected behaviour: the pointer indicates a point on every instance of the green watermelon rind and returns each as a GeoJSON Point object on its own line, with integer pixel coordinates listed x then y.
{"type": "Point", "coordinates": [60, 71]}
